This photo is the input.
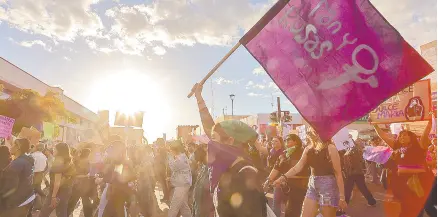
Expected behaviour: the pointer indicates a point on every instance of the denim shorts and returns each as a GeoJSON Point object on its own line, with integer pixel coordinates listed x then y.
{"type": "Point", "coordinates": [324, 190]}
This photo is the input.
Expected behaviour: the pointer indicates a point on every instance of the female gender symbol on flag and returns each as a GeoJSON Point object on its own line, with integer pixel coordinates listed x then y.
{"type": "Point", "coordinates": [335, 60]}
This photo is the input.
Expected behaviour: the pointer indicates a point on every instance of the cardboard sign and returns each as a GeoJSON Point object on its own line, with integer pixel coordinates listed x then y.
{"type": "Point", "coordinates": [6, 124]}
{"type": "Point", "coordinates": [343, 140]}
{"type": "Point", "coordinates": [411, 104]}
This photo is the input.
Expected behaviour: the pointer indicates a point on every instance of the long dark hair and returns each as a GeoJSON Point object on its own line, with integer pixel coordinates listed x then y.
{"type": "Point", "coordinates": [412, 137]}
{"type": "Point", "coordinates": [63, 152]}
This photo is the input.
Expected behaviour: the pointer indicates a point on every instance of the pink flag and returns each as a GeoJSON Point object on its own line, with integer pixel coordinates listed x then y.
{"type": "Point", "coordinates": [335, 60]}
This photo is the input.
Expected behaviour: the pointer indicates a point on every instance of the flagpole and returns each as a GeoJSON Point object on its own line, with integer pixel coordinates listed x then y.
{"type": "Point", "coordinates": [212, 71]}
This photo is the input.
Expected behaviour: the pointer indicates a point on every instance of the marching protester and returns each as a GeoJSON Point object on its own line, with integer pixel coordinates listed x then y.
{"type": "Point", "coordinates": [180, 180]}
{"type": "Point", "coordinates": [326, 186]}
{"type": "Point", "coordinates": [117, 176]}
{"type": "Point", "coordinates": [16, 191]}
{"type": "Point", "coordinates": [273, 152]}
{"type": "Point", "coordinates": [202, 202]}
{"type": "Point", "coordinates": [82, 184]}
{"type": "Point", "coordinates": [61, 182]}
{"type": "Point", "coordinates": [234, 181]}
{"type": "Point", "coordinates": [409, 177]}
{"type": "Point", "coordinates": [352, 166]}
{"type": "Point", "coordinates": [297, 185]}
{"type": "Point", "coordinates": [39, 169]}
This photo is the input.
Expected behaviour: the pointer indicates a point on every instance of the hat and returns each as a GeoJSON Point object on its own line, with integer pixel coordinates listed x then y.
{"type": "Point", "coordinates": [239, 131]}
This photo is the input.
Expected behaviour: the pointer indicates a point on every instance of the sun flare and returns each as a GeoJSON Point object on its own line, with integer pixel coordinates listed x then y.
{"type": "Point", "coordinates": [130, 92]}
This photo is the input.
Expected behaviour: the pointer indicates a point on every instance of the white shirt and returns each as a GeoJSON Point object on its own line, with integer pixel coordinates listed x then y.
{"type": "Point", "coordinates": [40, 161]}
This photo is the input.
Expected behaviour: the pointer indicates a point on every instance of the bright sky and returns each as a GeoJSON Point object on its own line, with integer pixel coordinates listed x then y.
{"type": "Point", "coordinates": [146, 55]}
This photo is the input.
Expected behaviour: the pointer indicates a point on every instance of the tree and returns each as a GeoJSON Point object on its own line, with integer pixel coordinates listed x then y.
{"type": "Point", "coordinates": [29, 108]}
{"type": "Point", "coordinates": [286, 117]}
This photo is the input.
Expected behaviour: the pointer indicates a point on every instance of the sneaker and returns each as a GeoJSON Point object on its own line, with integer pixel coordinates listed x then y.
{"type": "Point", "coordinates": [372, 205]}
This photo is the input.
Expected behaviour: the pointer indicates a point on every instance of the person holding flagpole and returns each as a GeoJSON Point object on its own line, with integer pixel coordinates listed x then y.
{"type": "Point", "coordinates": [235, 184]}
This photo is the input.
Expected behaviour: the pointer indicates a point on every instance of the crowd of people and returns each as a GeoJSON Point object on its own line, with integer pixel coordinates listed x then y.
{"type": "Point", "coordinates": [227, 176]}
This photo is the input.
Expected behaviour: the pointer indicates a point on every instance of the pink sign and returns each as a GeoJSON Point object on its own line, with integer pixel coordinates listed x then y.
{"type": "Point", "coordinates": [335, 60]}
{"type": "Point", "coordinates": [6, 124]}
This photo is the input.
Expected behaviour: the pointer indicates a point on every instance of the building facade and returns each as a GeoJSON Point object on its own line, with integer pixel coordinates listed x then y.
{"type": "Point", "coordinates": [13, 79]}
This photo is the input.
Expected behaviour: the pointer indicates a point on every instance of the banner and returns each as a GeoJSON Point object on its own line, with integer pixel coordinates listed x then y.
{"type": "Point", "coordinates": [6, 125]}
{"type": "Point", "coordinates": [335, 60]}
{"type": "Point", "coordinates": [411, 104]}
{"type": "Point", "coordinates": [343, 140]}
{"type": "Point", "coordinates": [302, 133]}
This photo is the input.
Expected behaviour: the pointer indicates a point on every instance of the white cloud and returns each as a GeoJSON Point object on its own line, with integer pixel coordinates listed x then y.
{"type": "Point", "coordinates": [416, 22]}
{"type": "Point", "coordinates": [30, 44]}
{"type": "Point", "coordinates": [61, 19]}
{"type": "Point", "coordinates": [67, 58]}
{"type": "Point", "coordinates": [180, 22]}
{"type": "Point", "coordinates": [273, 86]}
{"type": "Point", "coordinates": [251, 94]}
{"type": "Point", "coordinates": [258, 71]}
{"type": "Point", "coordinates": [158, 50]}
{"type": "Point", "coordinates": [252, 85]}
{"type": "Point", "coordinates": [222, 80]}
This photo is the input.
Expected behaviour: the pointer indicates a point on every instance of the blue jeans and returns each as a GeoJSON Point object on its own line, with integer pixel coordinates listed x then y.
{"type": "Point", "coordinates": [277, 201]}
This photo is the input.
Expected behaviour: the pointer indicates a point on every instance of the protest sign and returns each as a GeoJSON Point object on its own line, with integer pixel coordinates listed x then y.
{"type": "Point", "coordinates": [343, 140]}
{"type": "Point", "coordinates": [335, 60]}
{"type": "Point", "coordinates": [6, 124]}
{"type": "Point", "coordinates": [302, 133]}
{"type": "Point", "coordinates": [411, 104]}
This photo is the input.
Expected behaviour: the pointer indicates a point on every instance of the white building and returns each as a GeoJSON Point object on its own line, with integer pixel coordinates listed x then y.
{"type": "Point", "coordinates": [13, 79]}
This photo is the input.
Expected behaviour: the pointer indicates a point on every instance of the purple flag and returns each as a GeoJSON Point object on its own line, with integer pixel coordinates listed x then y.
{"type": "Point", "coordinates": [378, 154]}
{"type": "Point", "coordinates": [335, 60]}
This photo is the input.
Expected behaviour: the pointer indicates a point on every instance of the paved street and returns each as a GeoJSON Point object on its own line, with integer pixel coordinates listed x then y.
{"type": "Point", "coordinates": [358, 206]}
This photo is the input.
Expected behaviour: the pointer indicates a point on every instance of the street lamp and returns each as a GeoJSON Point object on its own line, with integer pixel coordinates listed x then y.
{"type": "Point", "coordinates": [232, 96]}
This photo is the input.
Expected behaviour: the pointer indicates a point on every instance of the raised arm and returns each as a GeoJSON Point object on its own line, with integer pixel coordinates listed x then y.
{"type": "Point", "coordinates": [384, 136]}
{"type": "Point", "coordinates": [424, 141]}
{"type": "Point", "coordinates": [294, 170]}
{"type": "Point", "coordinates": [206, 119]}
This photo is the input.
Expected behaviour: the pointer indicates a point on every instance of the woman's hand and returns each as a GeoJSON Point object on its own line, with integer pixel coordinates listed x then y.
{"type": "Point", "coordinates": [54, 202]}
{"type": "Point", "coordinates": [342, 204]}
{"type": "Point", "coordinates": [279, 182]}
{"type": "Point", "coordinates": [197, 89]}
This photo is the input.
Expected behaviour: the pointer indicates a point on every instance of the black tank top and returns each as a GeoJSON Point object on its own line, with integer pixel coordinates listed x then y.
{"type": "Point", "coordinates": [319, 162]}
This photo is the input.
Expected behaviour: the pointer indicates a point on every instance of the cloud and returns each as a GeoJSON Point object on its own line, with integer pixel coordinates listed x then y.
{"type": "Point", "coordinates": [158, 50]}
{"type": "Point", "coordinates": [273, 86]}
{"type": "Point", "coordinates": [67, 58]}
{"type": "Point", "coordinates": [416, 22]}
{"type": "Point", "coordinates": [251, 94]}
{"type": "Point", "coordinates": [60, 20]}
{"type": "Point", "coordinates": [222, 80]}
{"type": "Point", "coordinates": [181, 22]}
{"type": "Point", "coordinates": [259, 71]}
{"type": "Point", "coordinates": [30, 44]}
{"type": "Point", "coordinates": [252, 85]}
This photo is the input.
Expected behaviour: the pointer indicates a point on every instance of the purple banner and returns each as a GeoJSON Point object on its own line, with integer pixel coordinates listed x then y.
{"type": "Point", "coordinates": [335, 60]}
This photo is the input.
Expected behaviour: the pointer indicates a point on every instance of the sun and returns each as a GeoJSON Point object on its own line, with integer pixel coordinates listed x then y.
{"type": "Point", "coordinates": [130, 92]}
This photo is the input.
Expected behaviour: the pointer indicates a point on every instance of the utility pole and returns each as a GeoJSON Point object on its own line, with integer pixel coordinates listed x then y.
{"type": "Point", "coordinates": [280, 122]}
